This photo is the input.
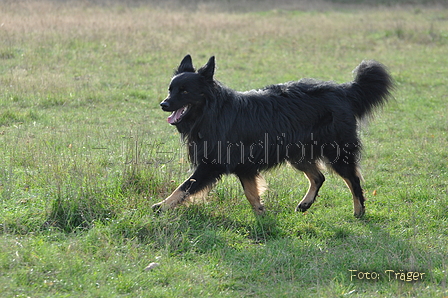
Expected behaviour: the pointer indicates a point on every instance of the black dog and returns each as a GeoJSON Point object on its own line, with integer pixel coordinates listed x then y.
{"type": "Point", "coordinates": [307, 123]}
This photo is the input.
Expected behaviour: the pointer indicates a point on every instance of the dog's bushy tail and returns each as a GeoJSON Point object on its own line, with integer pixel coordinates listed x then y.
{"type": "Point", "coordinates": [370, 89]}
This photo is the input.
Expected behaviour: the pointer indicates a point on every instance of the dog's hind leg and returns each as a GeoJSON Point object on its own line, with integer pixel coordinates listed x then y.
{"type": "Point", "coordinates": [316, 179]}
{"type": "Point", "coordinates": [254, 186]}
{"type": "Point", "coordinates": [346, 166]}
{"type": "Point", "coordinates": [203, 178]}
{"type": "Point", "coordinates": [358, 197]}
{"type": "Point", "coordinates": [352, 177]}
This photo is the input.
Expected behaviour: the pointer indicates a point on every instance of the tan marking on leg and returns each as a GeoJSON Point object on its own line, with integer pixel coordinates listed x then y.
{"type": "Point", "coordinates": [261, 185]}
{"type": "Point", "coordinates": [358, 208]}
{"type": "Point", "coordinates": [312, 190]}
{"type": "Point", "coordinates": [253, 188]}
{"type": "Point", "coordinates": [177, 197]}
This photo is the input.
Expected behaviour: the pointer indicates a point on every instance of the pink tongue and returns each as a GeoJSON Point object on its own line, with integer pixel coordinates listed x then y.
{"type": "Point", "coordinates": [174, 117]}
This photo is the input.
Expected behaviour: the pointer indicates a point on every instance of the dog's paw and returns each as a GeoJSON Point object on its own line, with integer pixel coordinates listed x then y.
{"type": "Point", "coordinates": [260, 210]}
{"type": "Point", "coordinates": [360, 213]}
{"type": "Point", "coordinates": [302, 207]}
{"type": "Point", "coordinates": [157, 208]}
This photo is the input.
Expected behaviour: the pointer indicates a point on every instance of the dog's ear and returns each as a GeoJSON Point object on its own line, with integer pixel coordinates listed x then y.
{"type": "Point", "coordinates": [208, 69]}
{"type": "Point", "coordinates": [186, 65]}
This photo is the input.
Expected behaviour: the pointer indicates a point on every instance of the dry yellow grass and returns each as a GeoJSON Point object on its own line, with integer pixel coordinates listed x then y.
{"type": "Point", "coordinates": [50, 36]}
{"type": "Point", "coordinates": [59, 31]}
{"type": "Point", "coordinates": [25, 20]}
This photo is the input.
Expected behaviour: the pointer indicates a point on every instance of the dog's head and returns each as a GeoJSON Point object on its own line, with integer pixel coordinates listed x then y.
{"type": "Point", "coordinates": [188, 90]}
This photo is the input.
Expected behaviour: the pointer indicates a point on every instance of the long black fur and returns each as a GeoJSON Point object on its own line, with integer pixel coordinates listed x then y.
{"type": "Point", "coordinates": [302, 122]}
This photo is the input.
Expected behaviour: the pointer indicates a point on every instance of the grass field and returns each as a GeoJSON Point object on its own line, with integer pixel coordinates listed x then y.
{"type": "Point", "coordinates": [85, 151]}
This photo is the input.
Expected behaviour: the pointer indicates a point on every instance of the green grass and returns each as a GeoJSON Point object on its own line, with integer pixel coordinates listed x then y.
{"type": "Point", "coordinates": [85, 151]}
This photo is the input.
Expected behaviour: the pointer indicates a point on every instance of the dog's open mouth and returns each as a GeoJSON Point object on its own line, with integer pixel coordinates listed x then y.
{"type": "Point", "coordinates": [177, 115]}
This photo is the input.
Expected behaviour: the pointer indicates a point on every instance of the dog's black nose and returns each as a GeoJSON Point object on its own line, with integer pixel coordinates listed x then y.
{"type": "Point", "coordinates": [164, 105]}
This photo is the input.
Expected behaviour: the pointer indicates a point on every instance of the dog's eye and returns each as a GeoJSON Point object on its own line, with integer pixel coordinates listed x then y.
{"type": "Point", "coordinates": [185, 92]}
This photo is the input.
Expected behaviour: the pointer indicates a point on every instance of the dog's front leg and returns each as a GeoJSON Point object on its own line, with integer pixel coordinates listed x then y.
{"type": "Point", "coordinates": [203, 178]}
{"type": "Point", "coordinates": [177, 197]}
